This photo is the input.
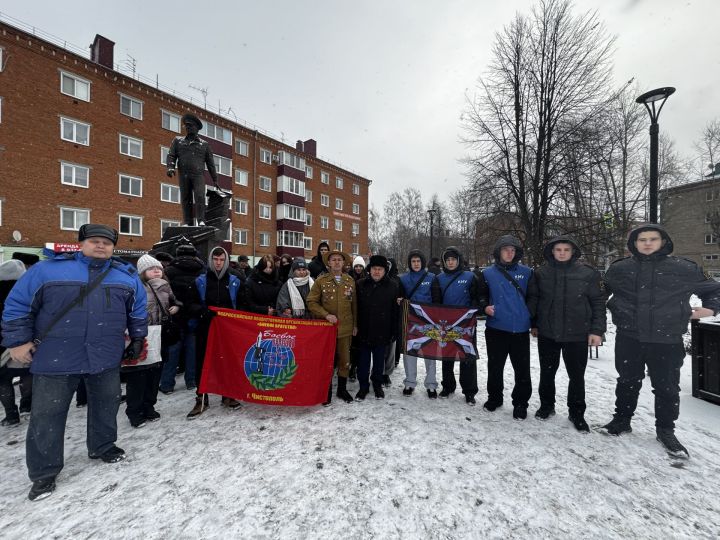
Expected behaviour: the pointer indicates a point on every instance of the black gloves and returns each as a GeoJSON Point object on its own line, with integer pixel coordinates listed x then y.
{"type": "Point", "coordinates": [134, 350]}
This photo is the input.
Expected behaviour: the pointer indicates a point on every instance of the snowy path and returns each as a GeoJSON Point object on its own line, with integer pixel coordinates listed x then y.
{"type": "Point", "coordinates": [398, 468]}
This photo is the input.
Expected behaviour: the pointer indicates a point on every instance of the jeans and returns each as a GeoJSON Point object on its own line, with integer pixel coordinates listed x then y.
{"type": "Point", "coordinates": [663, 361]}
{"type": "Point", "coordinates": [186, 346]}
{"type": "Point", "coordinates": [378, 353]}
{"type": "Point", "coordinates": [499, 345]}
{"type": "Point", "coordinates": [52, 395]}
{"type": "Point", "coordinates": [141, 388]}
{"type": "Point", "coordinates": [410, 363]}
{"type": "Point", "coordinates": [575, 355]}
{"type": "Point", "coordinates": [7, 391]}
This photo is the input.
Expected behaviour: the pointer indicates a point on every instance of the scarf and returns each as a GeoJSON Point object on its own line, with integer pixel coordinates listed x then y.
{"type": "Point", "coordinates": [298, 304]}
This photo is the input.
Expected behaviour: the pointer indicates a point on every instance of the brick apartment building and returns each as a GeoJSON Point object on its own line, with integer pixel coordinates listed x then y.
{"type": "Point", "coordinates": [691, 215]}
{"type": "Point", "coordinates": [82, 142]}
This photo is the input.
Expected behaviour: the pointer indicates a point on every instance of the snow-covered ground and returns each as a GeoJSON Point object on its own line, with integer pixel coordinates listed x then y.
{"type": "Point", "coordinates": [396, 468]}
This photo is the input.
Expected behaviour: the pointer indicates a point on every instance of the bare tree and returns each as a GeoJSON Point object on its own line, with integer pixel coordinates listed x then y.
{"type": "Point", "coordinates": [708, 147]}
{"type": "Point", "coordinates": [547, 80]}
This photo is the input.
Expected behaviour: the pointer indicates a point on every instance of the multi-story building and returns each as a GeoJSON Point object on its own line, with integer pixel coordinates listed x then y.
{"type": "Point", "coordinates": [82, 142]}
{"type": "Point", "coordinates": [691, 215]}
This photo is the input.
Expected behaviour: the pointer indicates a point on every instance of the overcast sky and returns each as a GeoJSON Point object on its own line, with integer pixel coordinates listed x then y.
{"type": "Point", "coordinates": [380, 85]}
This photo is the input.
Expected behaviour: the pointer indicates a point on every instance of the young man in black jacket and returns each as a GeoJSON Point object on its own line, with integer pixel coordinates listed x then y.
{"type": "Point", "coordinates": [567, 312]}
{"type": "Point", "coordinates": [650, 307]}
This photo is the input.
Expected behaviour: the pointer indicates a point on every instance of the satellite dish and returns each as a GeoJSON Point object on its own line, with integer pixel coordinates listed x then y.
{"type": "Point", "coordinates": [17, 236]}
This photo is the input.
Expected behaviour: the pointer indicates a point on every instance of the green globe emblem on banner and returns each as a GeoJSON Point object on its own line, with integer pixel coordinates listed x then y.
{"type": "Point", "coordinates": [270, 363]}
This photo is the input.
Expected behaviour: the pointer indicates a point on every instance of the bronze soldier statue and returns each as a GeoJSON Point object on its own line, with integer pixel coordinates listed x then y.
{"type": "Point", "coordinates": [191, 154]}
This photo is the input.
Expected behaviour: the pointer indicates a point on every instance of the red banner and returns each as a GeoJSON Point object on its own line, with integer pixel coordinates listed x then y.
{"type": "Point", "coordinates": [268, 360]}
{"type": "Point", "coordinates": [440, 332]}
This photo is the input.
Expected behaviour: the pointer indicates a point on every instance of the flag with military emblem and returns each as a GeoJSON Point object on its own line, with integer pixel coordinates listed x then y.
{"type": "Point", "coordinates": [439, 332]}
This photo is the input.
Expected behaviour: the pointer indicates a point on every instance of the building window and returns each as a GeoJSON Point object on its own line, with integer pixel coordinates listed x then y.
{"type": "Point", "coordinates": [241, 177]}
{"type": "Point", "coordinates": [355, 229]}
{"type": "Point", "coordinates": [72, 85]}
{"type": "Point", "coordinates": [338, 182]}
{"type": "Point", "coordinates": [289, 211]}
{"type": "Point", "coordinates": [265, 183]}
{"type": "Point", "coordinates": [223, 165]}
{"type": "Point", "coordinates": [131, 107]}
{"type": "Point", "coordinates": [130, 185]}
{"type": "Point", "coordinates": [712, 257]}
{"type": "Point", "coordinates": [265, 211]}
{"type": "Point", "coordinates": [216, 132]}
{"type": "Point", "coordinates": [264, 239]}
{"type": "Point", "coordinates": [307, 240]}
{"type": "Point", "coordinates": [291, 160]}
{"type": "Point", "coordinates": [710, 239]}
{"type": "Point", "coordinates": [356, 249]}
{"type": "Point", "coordinates": [170, 121]}
{"type": "Point", "coordinates": [338, 204]}
{"type": "Point", "coordinates": [356, 189]}
{"type": "Point", "coordinates": [165, 223]}
{"type": "Point", "coordinates": [338, 224]}
{"type": "Point", "coordinates": [240, 236]}
{"type": "Point", "coordinates": [324, 222]}
{"type": "Point", "coordinates": [308, 172]}
{"type": "Point", "coordinates": [265, 155]}
{"type": "Point", "coordinates": [130, 225]}
{"type": "Point", "coordinates": [170, 193]}
{"type": "Point", "coordinates": [164, 151]}
{"type": "Point", "coordinates": [338, 245]}
{"type": "Point", "coordinates": [290, 239]}
{"type": "Point", "coordinates": [130, 146]}
{"type": "Point", "coordinates": [308, 220]}
{"type": "Point", "coordinates": [291, 185]}
{"type": "Point", "coordinates": [74, 175]}
{"type": "Point", "coordinates": [242, 148]}
{"type": "Point", "coordinates": [71, 219]}
{"type": "Point", "coordinates": [241, 206]}
{"type": "Point", "coordinates": [356, 208]}
{"type": "Point", "coordinates": [325, 177]}
{"type": "Point", "coordinates": [324, 200]}
{"type": "Point", "coordinates": [308, 195]}
{"type": "Point", "coordinates": [74, 131]}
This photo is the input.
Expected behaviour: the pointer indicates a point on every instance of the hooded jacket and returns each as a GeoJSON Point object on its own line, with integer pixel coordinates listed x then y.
{"type": "Point", "coordinates": [418, 283]}
{"type": "Point", "coordinates": [262, 289]}
{"type": "Point", "coordinates": [651, 293]}
{"type": "Point", "coordinates": [565, 299]}
{"type": "Point", "coordinates": [511, 312]}
{"type": "Point", "coordinates": [181, 273]}
{"type": "Point", "coordinates": [90, 338]}
{"type": "Point", "coordinates": [316, 266]}
{"type": "Point", "coordinates": [457, 287]}
{"type": "Point", "coordinates": [219, 288]}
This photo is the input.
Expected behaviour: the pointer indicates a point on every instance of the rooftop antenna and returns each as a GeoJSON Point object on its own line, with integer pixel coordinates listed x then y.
{"type": "Point", "coordinates": [130, 64]}
{"type": "Point", "coordinates": [203, 91]}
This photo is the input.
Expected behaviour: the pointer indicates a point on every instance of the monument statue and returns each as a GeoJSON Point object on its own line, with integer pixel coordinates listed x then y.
{"type": "Point", "coordinates": [191, 154]}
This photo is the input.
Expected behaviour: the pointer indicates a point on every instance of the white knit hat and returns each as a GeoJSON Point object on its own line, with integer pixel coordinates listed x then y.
{"type": "Point", "coordinates": [359, 261]}
{"type": "Point", "coordinates": [146, 262]}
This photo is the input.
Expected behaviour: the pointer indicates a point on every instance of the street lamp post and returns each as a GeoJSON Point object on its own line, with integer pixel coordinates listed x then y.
{"type": "Point", "coordinates": [650, 99]}
{"type": "Point", "coordinates": [431, 212]}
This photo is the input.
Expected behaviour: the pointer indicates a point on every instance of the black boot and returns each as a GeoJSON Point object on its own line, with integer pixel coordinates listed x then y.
{"type": "Point", "coordinates": [379, 392]}
{"type": "Point", "coordinates": [667, 438]}
{"type": "Point", "coordinates": [578, 420]}
{"type": "Point", "coordinates": [618, 425]}
{"type": "Point", "coordinates": [545, 412]}
{"type": "Point", "coordinates": [342, 392]}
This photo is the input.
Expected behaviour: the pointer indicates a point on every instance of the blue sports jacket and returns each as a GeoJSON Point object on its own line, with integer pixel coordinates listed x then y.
{"type": "Point", "coordinates": [423, 293]}
{"type": "Point", "coordinates": [511, 312]}
{"type": "Point", "coordinates": [460, 292]}
{"type": "Point", "coordinates": [234, 285]}
{"type": "Point", "coordinates": [90, 337]}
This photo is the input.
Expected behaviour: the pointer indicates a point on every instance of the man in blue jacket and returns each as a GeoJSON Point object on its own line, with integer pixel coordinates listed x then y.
{"type": "Point", "coordinates": [416, 286]}
{"type": "Point", "coordinates": [457, 287]}
{"type": "Point", "coordinates": [64, 346]}
{"type": "Point", "coordinates": [503, 287]}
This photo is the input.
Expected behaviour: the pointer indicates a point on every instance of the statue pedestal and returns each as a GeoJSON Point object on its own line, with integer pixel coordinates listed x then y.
{"type": "Point", "coordinates": [203, 238]}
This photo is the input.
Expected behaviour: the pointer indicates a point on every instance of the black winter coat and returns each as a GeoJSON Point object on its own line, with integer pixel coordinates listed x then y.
{"type": "Point", "coordinates": [565, 299]}
{"type": "Point", "coordinates": [181, 274]}
{"type": "Point", "coordinates": [262, 290]}
{"type": "Point", "coordinates": [378, 311]}
{"type": "Point", "coordinates": [651, 293]}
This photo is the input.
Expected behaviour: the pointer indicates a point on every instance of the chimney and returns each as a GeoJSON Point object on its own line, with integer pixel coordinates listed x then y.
{"type": "Point", "coordinates": [299, 146]}
{"type": "Point", "coordinates": [101, 51]}
{"type": "Point", "coordinates": [310, 147]}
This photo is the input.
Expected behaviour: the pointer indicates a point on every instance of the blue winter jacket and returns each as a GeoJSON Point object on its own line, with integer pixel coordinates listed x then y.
{"type": "Point", "coordinates": [456, 292]}
{"type": "Point", "coordinates": [234, 285]}
{"type": "Point", "coordinates": [423, 293]}
{"type": "Point", "coordinates": [90, 337]}
{"type": "Point", "coordinates": [511, 312]}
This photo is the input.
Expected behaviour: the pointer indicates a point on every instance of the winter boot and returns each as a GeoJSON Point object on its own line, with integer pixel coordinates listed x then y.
{"type": "Point", "coordinates": [42, 489]}
{"type": "Point", "coordinates": [519, 412]}
{"type": "Point", "coordinates": [352, 375]}
{"type": "Point", "coordinates": [12, 417]}
{"type": "Point", "coordinates": [230, 403]}
{"type": "Point", "coordinates": [361, 395]}
{"type": "Point", "coordinates": [491, 405]}
{"type": "Point", "coordinates": [379, 393]}
{"type": "Point", "coordinates": [342, 392]}
{"type": "Point", "coordinates": [445, 393]}
{"type": "Point", "coordinates": [201, 403]}
{"type": "Point", "coordinates": [667, 438]}
{"type": "Point", "coordinates": [545, 412]}
{"type": "Point", "coordinates": [407, 392]}
{"type": "Point", "coordinates": [579, 422]}
{"type": "Point", "coordinates": [470, 400]}
{"type": "Point", "coordinates": [618, 425]}
{"type": "Point", "coordinates": [113, 455]}
{"type": "Point", "coordinates": [432, 394]}
{"type": "Point", "coordinates": [386, 382]}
